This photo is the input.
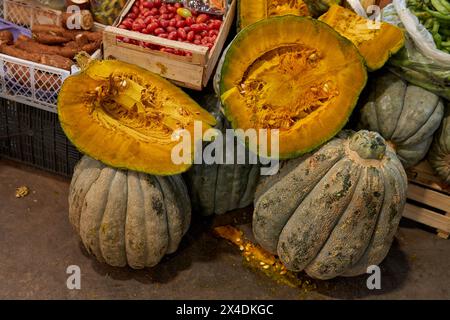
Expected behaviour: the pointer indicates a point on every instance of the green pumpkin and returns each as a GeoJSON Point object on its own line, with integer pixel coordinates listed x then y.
{"type": "Point", "coordinates": [219, 188]}
{"type": "Point", "coordinates": [127, 217]}
{"type": "Point", "coordinates": [439, 155]}
{"type": "Point", "coordinates": [405, 115]}
{"type": "Point", "coordinates": [336, 211]}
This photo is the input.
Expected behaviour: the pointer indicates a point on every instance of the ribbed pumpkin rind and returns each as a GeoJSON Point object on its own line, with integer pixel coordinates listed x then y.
{"type": "Point", "coordinates": [404, 114]}
{"type": "Point", "coordinates": [219, 188]}
{"type": "Point", "coordinates": [330, 214]}
{"type": "Point", "coordinates": [439, 155]}
{"type": "Point", "coordinates": [127, 217]}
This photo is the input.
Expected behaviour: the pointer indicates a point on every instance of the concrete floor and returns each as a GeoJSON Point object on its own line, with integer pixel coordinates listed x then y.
{"type": "Point", "coordinates": [37, 244]}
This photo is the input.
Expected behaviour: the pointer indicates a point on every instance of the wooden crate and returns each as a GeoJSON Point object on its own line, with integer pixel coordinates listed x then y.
{"type": "Point", "coordinates": [431, 198]}
{"type": "Point", "coordinates": [188, 71]}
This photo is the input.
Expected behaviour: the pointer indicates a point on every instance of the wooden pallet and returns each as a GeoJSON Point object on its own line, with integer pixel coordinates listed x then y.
{"type": "Point", "coordinates": [431, 199]}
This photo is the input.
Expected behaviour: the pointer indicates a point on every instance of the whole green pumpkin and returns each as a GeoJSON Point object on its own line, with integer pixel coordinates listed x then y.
{"type": "Point", "coordinates": [219, 188]}
{"type": "Point", "coordinates": [126, 217]}
{"type": "Point", "coordinates": [405, 115]}
{"type": "Point", "coordinates": [439, 155]}
{"type": "Point", "coordinates": [336, 211]}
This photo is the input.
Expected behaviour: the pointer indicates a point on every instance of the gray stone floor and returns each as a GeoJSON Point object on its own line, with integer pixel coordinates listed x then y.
{"type": "Point", "coordinates": [37, 244]}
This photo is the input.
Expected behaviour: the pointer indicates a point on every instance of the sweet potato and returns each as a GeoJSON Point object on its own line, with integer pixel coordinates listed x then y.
{"type": "Point", "coordinates": [19, 53]}
{"type": "Point", "coordinates": [47, 59]}
{"type": "Point", "coordinates": [70, 34]}
{"type": "Point", "coordinates": [36, 47]}
{"type": "Point", "coordinates": [47, 38]}
{"type": "Point", "coordinates": [6, 37]}
{"type": "Point", "coordinates": [56, 61]}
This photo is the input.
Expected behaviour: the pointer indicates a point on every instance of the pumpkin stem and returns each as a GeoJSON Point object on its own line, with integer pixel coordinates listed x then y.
{"type": "Point", "coordinates": [368, 145]}
{"type": "Point", "coordinates": [83, 59]}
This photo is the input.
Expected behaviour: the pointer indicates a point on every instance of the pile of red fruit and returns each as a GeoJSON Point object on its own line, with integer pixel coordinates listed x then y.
{"type": "Point", "coordinates": [173, 22]}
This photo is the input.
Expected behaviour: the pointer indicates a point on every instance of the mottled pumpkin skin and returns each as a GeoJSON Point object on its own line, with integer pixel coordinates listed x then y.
{"type": "Point", "coordinates": [333, 212]}
{"type": "Point", "coordinates": [405, 115]}
{"type": "Point", "coordinates": [439, 155]}
{"type": "Point", "coordinates": [125, 217]}
{"type": "Point", "coordinates": [219, 188]}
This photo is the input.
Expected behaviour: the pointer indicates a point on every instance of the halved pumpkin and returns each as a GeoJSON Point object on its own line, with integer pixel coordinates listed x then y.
{"type": "Point", "coordinates": [294, 74]}
{"type": "Point", "coordinates": [124, 116]}
{"type": "Point", "coordinates": [376, 40]}
{"type": "Point", "coordinates": [251, 11]}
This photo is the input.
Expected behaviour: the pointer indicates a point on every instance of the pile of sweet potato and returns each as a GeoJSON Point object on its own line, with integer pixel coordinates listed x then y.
{"type": "Point", "coordinates": [51, 45]}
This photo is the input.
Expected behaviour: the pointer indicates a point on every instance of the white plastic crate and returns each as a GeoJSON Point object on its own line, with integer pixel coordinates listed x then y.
{"type": "Point", "coordinates": [30, 83]}
{"type": "Point", "coordinates": [25, 14]}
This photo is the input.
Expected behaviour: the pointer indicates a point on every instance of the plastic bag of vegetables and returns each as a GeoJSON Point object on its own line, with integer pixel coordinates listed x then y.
{"type": "Point", "coordinates": [425, 60]}
{"type": "Point", "coordinates": [106, 11]}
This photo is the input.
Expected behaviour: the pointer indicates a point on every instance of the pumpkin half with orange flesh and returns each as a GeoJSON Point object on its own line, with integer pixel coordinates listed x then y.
{"type": "Point", "coordinates": [293, 74]}
{"type": "Point", "coordinates": [125, 116]}
{"type": "Point", "coordinates": [376, 40]}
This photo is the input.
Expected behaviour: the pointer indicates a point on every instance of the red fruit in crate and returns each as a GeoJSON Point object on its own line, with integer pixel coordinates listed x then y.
{"type": "Point", "coordinates": [157, 3]}
{"type": "Point", "coordinates": [182, 33]}
{"type": "Point", "coordinates": [146, 31]}
{"type": "Point", "coordinates": [154, 11]}
{"type": "Point", "coordinates": [204, 33]}
{"type": "Point", "coordinates": [202, 18]}
{"type": "Point", "coordinates": [198, 37]}
{"type": "Point", "coordinates": [148, 4]}
{"type": "Point", "coordinates": [163, 35]}
{"type": "Point", "coordinates": [152, 26]}
{"type": "Point", "coordinates": [147, 13]}
{"type": "Point", "coordinates": [171, 8]}
{"type": "Point", "coordinates": [148, 20]}
{"type": "Point", "coordinates": [171, 15]}
{"type": "Point", "coordinates": [183, 12]}
{"type": "Point", "coordinates": [190, 36]}
{"type": "Point", "coordinates": [173, 22]}
{"type": "Point", "coordinates": [197, 42]}
{"type": "Point", "coordinates": [215, 24]}
{"type": "Point", "coordinates": [171, 29]}
{"type": "Point", "coordinates": [173, 35]}
{"type": "Point", "coordinates": [164, 23]}
{"type": "Point", "coordinates": [195, 27]}
{"type": "Point", "coordinates": [213, 33]}
{"type": "Point", "coordinates": [167, 50]}
{"type": "Point", "coordinates": [122, 27]}
{"type": "Point", "coordinates": [203, 26]}
{"type": "Point", "coordinates": [131, 16]}
{"type": "Point", "coordinates": [177, 5]}
{"type": "Point", "coordinates": [163, 10]}
{"type": "Point", "coordinates": [187, 29]}
{"type": "Point", "coordinates": [137, 27]}
{"type": "Point", "coordinates": [127, 23]}
{"type": "Point", "coordinates": [189, 21]}
{"type": "Point", "coordinates": [158, 31]}
{"type": "Point", "coordinates": [135, 10]}
{"type": "Point", "coordinates": [165, 16]}
{"type": "Point", "coordinates": [181, 24]}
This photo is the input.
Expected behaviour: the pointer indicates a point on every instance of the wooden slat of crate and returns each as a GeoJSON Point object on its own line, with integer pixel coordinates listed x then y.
{"type": "Point", "coordinates": [425, 188]}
